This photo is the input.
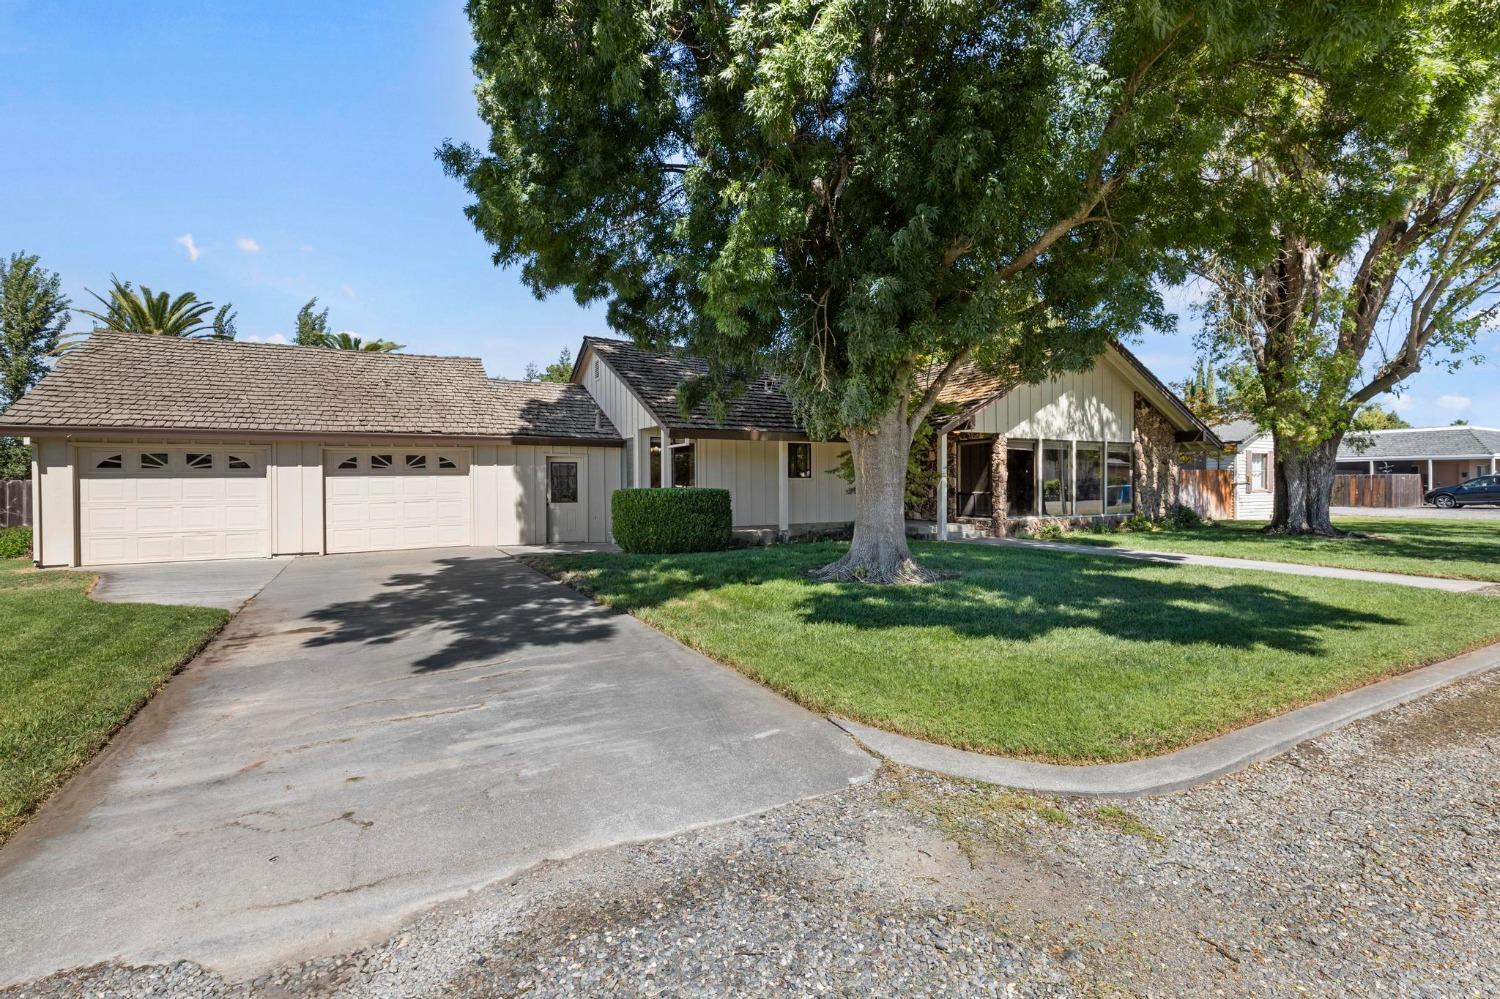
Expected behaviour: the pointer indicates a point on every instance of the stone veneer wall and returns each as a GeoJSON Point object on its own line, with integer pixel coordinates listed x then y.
{"type": "Point", "coordinates": [998, 472]}
{"type": "Point", "coordinates": [1155, 444]}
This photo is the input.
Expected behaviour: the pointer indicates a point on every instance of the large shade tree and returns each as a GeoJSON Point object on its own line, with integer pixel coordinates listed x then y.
{"type": "Point", "coordinates": [1368, 246]}
{"type": "Point", "coordinates": [860, 196]}
{"type": "Point", "coordinates": [33, 314]}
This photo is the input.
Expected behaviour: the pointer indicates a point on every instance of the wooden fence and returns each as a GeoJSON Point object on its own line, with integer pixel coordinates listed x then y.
{"type": "Point", "coordinates": [1377, 490]}
{"type": "Point", "coordinates": [15, 502]}
{"type": "Point", "coordinates": [1210, 491]}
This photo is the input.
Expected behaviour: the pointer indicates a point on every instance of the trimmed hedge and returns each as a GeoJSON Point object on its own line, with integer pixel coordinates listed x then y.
{"type": "Point", "coordinates": [15, 542]}
{"type": "Point", "coordinates": [666, 521]}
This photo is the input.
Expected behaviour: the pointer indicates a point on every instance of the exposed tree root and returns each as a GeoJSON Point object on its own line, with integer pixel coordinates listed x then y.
{"type": "Point", "coordinates": [904, 571]}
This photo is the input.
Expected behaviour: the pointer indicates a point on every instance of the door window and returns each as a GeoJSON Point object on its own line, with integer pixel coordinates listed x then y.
{"type": "Point", "coordinates": [562, 482]}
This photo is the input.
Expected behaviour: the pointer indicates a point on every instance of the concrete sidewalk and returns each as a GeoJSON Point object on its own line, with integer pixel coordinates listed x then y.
{"type": "Point", "coordinates": [1186, 767]}
{"type": "Point", "coordinates": [1255, 565]}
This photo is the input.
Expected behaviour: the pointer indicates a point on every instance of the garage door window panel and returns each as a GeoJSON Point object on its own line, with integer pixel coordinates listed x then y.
{"type": "Point", "coordinates": [199, 460]}
{"type": "Point", "coordinates": [380, 461]}
{"type": "Point", "coordinates": [154, 461]}
{"type": "Point", "coordinates": [416, 461]}
{"type": "Point", "coordinates": [111, 462]}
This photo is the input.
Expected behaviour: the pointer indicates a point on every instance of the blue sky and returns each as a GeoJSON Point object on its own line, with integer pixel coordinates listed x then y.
{"type": "Point", "coordinates": [265, 153]}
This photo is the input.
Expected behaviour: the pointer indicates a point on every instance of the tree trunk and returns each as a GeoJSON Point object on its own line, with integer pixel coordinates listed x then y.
{"type": "Point", "coordinates": [878, 552]}
{"type": "Point", "coordinates": [1304, 489]}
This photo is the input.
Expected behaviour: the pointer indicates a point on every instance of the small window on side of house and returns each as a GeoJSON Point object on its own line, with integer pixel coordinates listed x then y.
{"type": "Point", "coordinates": [153, 459]}
{"type": "Point", "coordinates": [111, 461]}
{"type": "Point", "coordinates": [380, 461]}
{"type": "Point", "coordinates": [799, 461]}
{"type": "Point", "coordinates": [416, 461]}
{"type": "Point", "coordinates": [238, 463]}
{"type": "Point", "coordinates": [200, 459]}
{"type": "Point", "coordinates": [1258, 473]}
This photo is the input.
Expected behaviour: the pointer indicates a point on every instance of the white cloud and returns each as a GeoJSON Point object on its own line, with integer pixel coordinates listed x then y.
{"type": "Point", "coordinates": [186, 242]}
{"type": "Point", "coordinates": [247, 244]}
{"type": "Point", "coordinates": [348, 289]}
{"type": "Point", "coordinates": [1401, 403]}
{"type": "Point", "coordinates": [273, 338]}
{"type": "Point", "coordinates": [1456, 403]}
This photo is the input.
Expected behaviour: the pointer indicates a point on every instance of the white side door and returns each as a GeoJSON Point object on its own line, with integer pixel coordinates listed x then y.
{"type": "Point", "coordinates": [567, 492]}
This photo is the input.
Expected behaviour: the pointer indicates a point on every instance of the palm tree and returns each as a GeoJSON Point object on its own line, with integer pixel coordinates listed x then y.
{"type": "Point", "coordinates": [348, 341]}
{"type": "Point", "coordinates": [159, 314]}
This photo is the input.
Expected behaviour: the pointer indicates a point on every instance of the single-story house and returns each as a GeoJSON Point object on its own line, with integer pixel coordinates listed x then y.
{"type": "Point", "coordinates": [1442, 456]}
{"type": "Point", "coordinates": [153, 448]}
{"type": "Point", "coordinates": [1251, 453]}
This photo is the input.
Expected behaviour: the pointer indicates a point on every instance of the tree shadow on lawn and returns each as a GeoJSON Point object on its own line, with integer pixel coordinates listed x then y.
{"type": "Point", "coordinates": [1009, 594]}
{"type": "Point", "coordinates": [479, 609]}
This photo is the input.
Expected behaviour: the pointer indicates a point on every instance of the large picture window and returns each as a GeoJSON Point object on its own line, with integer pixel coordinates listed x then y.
{"type": "Point", "coordinates": [1057, 478]}
{"type": "Point", "coordinates": [1119, 493]}
{"type": "Point", "coordinates": [1090, 466]}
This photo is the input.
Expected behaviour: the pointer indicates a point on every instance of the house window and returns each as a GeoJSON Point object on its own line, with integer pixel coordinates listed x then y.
{"type": "Point", "coordinates": [1118, 472]}
{"type": "Point", "coordinates": [416, 461]}
{"type": "Point", "coordinates": [562, 482]}
{"type": "Point", "coordinates": [1259, 472]}
{"type": "Point", "coordinates": [199, 460]}
{"type": "Point", "coordinates": [111, 461]}
{"type": "Point", "coordinates": [446, 464]}
{"type": "Point", "coordinates": [238, 463]}
{"type": "Point", "coordinates": [799, 461]}
{"type": "Point", "coordinates": [348, 463]}
{"type": "Point", "coordinates": [153, 459]}
{"type": "Point", "coordinates": [1090, 469]}
{"type": "Point", "coordinates": [1057, 478]}
{"type": "Point", "coordinates": [683, 462]}
{"type": "Point", "coordinates": [380, 461]}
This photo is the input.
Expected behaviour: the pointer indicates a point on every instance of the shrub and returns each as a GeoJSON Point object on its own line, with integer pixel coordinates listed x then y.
{"type": "Point", "coordinates": [1140, 523]}
{"type": "Point", "coordinates": [1183, 517]}
{"type": "Point", "coordinates": [1050, 531]}
{"type": "Point", "coordinates": [665, 521]}
{"type": "Point", "coordinates": [15, 542]}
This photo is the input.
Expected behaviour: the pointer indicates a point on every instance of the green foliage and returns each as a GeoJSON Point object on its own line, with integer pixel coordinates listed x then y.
{"type": "Point", "coordinates": [15, 542]}
{"type": "Point", "coordinates": [348, 341]}
{"type": "Point", "coordinates": [1183, 518]}
{"type": "Point", "coordinates": [159, 314]}
{"type": "Point", "coordinates": [662, 521]}
{"type": "Point", "coordinates": [1051, 530]}
{"type": "Point", "coordinates": [311, 326]}
{"type": "Point", "coordinates": [560, 370]}
{"type": "Point", "coordinates": [1138, 523]}
{"type": "Point", "coordinates": [838, 191]}
{"type": "Point", "coordinates": [15, 458]}
{"type": "Point", "coordinates": [33, 312]}
{"type": "Point", "coordinates": [1377, 417]}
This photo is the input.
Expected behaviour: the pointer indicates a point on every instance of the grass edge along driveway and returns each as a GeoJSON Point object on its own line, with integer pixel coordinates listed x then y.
{"type": "Point", "coordinates": [1044, 655]}
{"type": "Point", "coordinates": [1457, 549]}
{"type": "Point", "coordinates": [73, 671]}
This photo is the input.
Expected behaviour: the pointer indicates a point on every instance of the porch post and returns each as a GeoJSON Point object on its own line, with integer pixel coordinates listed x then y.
{"type": "Point", "coordinates": [642, 471]}
{"type": "Point", "coordinates": [1372, 466]}
{"type": "Point", "coordinates": [1494, 463]}
{"type": "Point", "coordinates": [666, 458]}
{"type": "Point", "coordinates": [942, 492]}
{"type": "Point", "coordinates": [1431, 484]}
{"type": "Point", "coordinates": [783, 490]}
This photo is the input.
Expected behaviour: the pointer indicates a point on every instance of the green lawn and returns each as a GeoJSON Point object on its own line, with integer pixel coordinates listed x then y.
{"type": "Point", "coordinates": [1042, 654]}
{"type": "Point", "coordinates": [72, 671]}
{"type": "Point", "coordinates": [1462, 549]}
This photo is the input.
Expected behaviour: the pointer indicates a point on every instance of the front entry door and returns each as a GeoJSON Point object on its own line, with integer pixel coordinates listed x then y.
{"type": "Point", "coordinates": [567, 518]}
{"type": "Point", "coordinates": [974, 498]}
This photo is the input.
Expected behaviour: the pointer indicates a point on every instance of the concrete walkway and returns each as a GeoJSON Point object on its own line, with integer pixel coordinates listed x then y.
{"type": "Point", "coordinates": [1186, 767]}
{"type": "Point", "coordinates": [1256, 565]}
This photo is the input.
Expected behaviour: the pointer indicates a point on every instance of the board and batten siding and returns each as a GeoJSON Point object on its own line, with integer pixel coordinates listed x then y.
{"type": "Point", "coordinates": [751, 470]}
{"type": "Point", "coordinates": [521, 478]}
{"type": "Point", "coordinates": [619, 403]}
{"type": "Point", "coordinates": [1253, 504]}
{"type": "Point", "coordinates": [1093, 405]}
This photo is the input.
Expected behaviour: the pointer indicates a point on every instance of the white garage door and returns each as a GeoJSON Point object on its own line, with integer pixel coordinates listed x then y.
{"type": "Point", "coordinates": [382, 498]}
{"type": "Point", "coordinates": [160, 503]}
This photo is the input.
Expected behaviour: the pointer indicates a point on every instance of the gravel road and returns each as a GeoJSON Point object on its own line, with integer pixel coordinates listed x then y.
{"type": "Point", "coordinates": [1366, 862]}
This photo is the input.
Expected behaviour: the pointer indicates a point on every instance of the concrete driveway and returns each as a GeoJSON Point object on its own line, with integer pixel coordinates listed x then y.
{"type": "Point", "coordinates": [374, 733]}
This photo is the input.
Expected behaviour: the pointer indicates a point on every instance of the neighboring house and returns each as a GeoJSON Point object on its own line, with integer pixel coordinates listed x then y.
{"type": "Point", "coordinates": [1251, 453]}
{"type": "Point", "coordinates": [1442, 456]}
{"type": "Point", "coordinates": [158, 449]}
